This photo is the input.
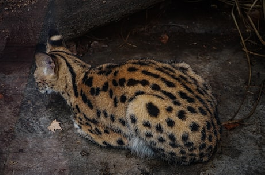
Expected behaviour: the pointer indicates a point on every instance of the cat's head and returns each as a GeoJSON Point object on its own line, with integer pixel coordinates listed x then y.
{"type": "Point", "coordinates": [45, 73]}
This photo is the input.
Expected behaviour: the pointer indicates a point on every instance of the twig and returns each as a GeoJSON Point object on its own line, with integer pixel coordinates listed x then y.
{"type": "Point", "coordinates": [254, 53]}
{"type": "Point", "coordinates": [252, 5]}
{"type": "Point", "coordinates": [241, 121]}
{"type": "Point", "coordinates": [249, 65]}
{"type": "Point", "coordinates": [244, 46]}
{"type": "Point", "coordinates": [257, 101]}
{"type": "Point", "coordinates": [256, 31]}
{"type": "Point", "coordinates": [125, 41]}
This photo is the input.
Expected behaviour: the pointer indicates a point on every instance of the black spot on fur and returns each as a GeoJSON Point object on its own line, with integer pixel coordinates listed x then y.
{"type": "Point", "coordinates": [210, 148]}
{"type": "Point", "coordinates": [117, 131]}
{"type": "Point", "coordinates": [110, 93]}
{"type": "Point", "coordinates": [114, 82]}
{"type": "Point", "coordinates": [153, 110]}
{"type": "Point", "coordinates": [105, 114]}
{"type": "Point", "coordinates": [150, 74]}
{"type": "Point", "coordinates": [200, 91]}
{"type": "Point", "coordinates": [115, 72]}
{"type": "Point", "coordinates": [122, 121]}
{"type": "Point", "coordinates": [191, 109]}
{"type": "Point", "coordinates": [176, 103]}
{"type": "Point", "coordinates": [106, 131]}
{"type": "Point", "coordinates": [194, 126]}
{"type": "Point", "coordinates": [111, 66]}
{"type": "Point", "coordinates": [104, 72]}
{"type": "Point", "coordinates": [89, 82]}
{"type": "Point", "coordinates": [192, 155]}
{"type": "Point", "coordinates": [148, 134]}
{"type": "Point", "coordinates": [86, 100]}
{"type": "Point", "coordinates": [202, 146]}
{"type": "Point", "coordinates": [172, 137]}
{"type": "Point", "coordinates": [161, 139]}
{"type": "Point", "coordinates": [169, 109]}
{"type": "Point", "coordinates": [132, 82]}
{"type": "Point", "coordinates": [172, 154]}
{"type": "Point", "coordinates": [185, 137]}
{"type": "Point", "coordinates": [139, 93]}
{"type": "Point", "coordinates": [94, 121]}
{"type": "Point", "coordinates": [183, 95]}
{"type": "Point", "coordinates": [208, 125]}
{"type": "Point", "coordinates": [122, 81]}
{"type": "Point", "coordinates": [168, 83]}
{"type": "Point", "coordinates": [173, 145]}
{"type": "Point", "coordinates": [188, 88]}
{"type": "Point", "coordinates": [105, 87]}
{"type": "Point", "coordinates": [162, 70]}
{"type": "Point", "coordinates": [183, 78]}
{"type": "Point", "coordinates": [191, 149]}
{"type": "Point", "coordinates": [147, 124]}
{"type": "Point", "coordinates": [115, 102]}
{"type": "Point", "coordinates": [155, 87]}
{"type": "Point", "coordinates": [202, 111]}
{"type": "Point", "coordinates": [92, 91]}
{"type": "Point", "coordinates": [203, 132]}
{"type": "Point", "coordinates": [133, 118]}
{"type": "Point", "coordinates": [107, 144]}
{"type": "Point", "coordinates": [141, 62]}
{"type": "Point", "coordinates": [98, 132]}
{"type": "Point", "coordinates": [123, 98]}
{"type": "Point", "coordinates": [189, 144]}
{"type": "Point", "coordinates": [120, 142]}
{"type": "Point", "coordinates": [201, 155]}
{"type": "Point", "coordinates": [210, 138]}
{"type": "Point", "coordinates": [170, 95]}
{"type": "Point", "coordinates": [181, 115]}
{"type": "Point", "coordinates": [112, 118]}
{"type": "Point", "coordinates": [169, 69]}
{"type": "Point", "coordinates": [97, 91]}
{"type": "Point", "coordinates": [183, 69]}
{"type": "Point", "coordinates": [144, 82]}
{"type": "Point", "coordinates": [182, 151]}
{"type": "Point", "coordinates": [170, 122]}
{"type": "Point", "coordinates": [98, 113]}
{"type": "Point", "coordinates": [88, 124]}
{"type": "Point", "coordinates": [77, 108]}
{"type": "Point", "coordinates": [159, 128]}
{"type": "Point", "coordinates": [132, 69]}
{"type": "Point", "coordinates": [183, 158]}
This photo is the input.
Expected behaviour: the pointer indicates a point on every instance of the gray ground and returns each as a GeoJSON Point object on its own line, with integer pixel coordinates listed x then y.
{"type": "Point", "coordinates": [212, 49]}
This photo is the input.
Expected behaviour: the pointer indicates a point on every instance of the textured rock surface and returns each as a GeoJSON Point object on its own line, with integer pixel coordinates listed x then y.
{"type": "Point", "coordinates": [74, 18]}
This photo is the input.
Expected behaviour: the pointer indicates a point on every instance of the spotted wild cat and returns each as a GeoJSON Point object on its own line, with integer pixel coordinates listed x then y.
{"type": "Point", "coordinates": [150, 107]}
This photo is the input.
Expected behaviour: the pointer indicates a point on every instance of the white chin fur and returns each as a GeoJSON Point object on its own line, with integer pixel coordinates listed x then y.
{"type": "Point", "coordinates": [140, 147]}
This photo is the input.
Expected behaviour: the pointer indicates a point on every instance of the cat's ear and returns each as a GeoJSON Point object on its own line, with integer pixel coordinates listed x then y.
{"type": "Point", "coordinates": [45, 62]}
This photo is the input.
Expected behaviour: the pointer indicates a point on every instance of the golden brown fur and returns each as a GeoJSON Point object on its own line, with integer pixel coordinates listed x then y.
{"type": "Point", "coordinates": [150, 107]}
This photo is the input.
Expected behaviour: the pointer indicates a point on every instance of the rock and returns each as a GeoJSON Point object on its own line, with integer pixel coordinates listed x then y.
{"type": "Point", "coordinates": [28, 22]}
{"type": "Point", "coordinates": [75, 18]}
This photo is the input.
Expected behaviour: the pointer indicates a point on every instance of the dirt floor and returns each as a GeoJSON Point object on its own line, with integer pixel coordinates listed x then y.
{"type": "Point", "coordinates": [202, 35]}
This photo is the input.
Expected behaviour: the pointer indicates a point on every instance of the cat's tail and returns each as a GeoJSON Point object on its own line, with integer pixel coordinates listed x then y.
{"type": "Point", "coordinates": [55, 38]}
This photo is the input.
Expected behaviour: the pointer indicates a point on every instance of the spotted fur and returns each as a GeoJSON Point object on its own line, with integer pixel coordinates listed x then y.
{"type": "Point", "coordinates": [150, 107]}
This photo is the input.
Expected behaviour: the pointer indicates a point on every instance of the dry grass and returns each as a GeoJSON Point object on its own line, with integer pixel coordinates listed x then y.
{"type": "Point", "coordinates": [242, 11]}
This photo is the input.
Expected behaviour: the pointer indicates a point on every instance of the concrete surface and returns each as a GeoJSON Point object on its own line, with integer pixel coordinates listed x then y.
{"type": "Point", "coordinates": [27, 147]}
